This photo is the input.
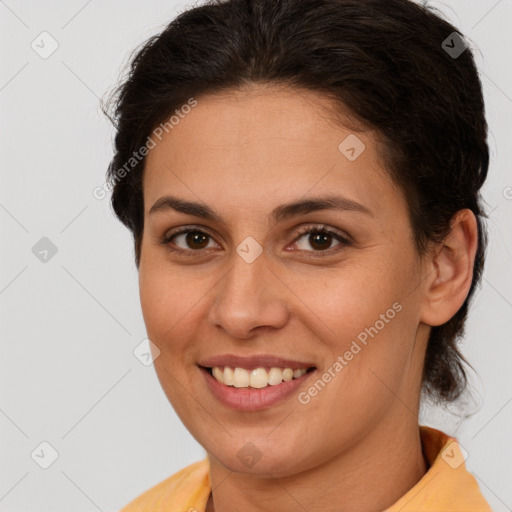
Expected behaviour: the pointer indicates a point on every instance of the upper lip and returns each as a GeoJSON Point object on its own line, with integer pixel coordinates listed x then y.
{"type": "Point", "coordinates": [255, 361]}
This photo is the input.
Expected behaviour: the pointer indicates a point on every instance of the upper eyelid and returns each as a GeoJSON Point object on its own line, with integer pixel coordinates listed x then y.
{"type": "Point", "coordinates": [319, 226]}
{"type": "Point", "coordinates": [301, 231]}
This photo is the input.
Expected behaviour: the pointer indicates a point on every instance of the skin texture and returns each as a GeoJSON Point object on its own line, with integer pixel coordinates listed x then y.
{"type": "Point", "coordinates": [355, 446]}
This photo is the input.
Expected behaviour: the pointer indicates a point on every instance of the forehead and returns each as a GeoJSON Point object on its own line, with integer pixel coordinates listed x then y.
{"type": "Point", "coordinates": [261, 143]}
{"type": "Point", "coordinates": [259, 115]}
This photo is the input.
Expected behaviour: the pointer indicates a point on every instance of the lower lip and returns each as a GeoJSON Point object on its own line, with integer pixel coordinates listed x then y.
{"type": "Point", "coordinates": [252, 399]}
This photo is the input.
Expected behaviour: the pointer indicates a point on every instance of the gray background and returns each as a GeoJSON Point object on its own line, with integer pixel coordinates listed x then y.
{"type": "Point", "coordinates": [68, 375]}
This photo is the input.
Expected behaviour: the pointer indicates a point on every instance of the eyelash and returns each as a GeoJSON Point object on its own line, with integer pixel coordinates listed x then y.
{"type": "Point", "coordinates": [322, 229]}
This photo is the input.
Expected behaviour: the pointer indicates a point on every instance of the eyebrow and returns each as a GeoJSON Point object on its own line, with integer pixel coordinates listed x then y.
{"type": "Point", "coordinates": [280, 213]}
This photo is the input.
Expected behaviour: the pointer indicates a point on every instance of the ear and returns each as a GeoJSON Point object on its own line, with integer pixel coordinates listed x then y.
{"type": "Point", "coordinates": [449, 270]}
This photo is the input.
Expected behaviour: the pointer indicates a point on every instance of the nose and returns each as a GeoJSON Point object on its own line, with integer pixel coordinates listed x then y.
{"type": "Point", "coordinates": [250, 298]}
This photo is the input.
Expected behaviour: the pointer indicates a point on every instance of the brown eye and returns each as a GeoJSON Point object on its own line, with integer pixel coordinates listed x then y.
{"type": "Point", "coordinates": [320, 239]}
{"type": "Point", "coordinates": [187, 240]}
{"type": "Point", "coordinates": [196, 239]}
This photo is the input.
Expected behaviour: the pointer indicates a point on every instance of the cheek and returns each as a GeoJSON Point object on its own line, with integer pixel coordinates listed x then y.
{"type": "Point", "coordinates": [160, 299]}
{"type": "Point", "coordinates": [154, 301]}
{"type": "Point", "coordinates": [350, 299]}
{"type": "Point", "coordinates": [172, 302]}
{"type": "Point", "coordinates": [367, 315]}
{"type": "Point", "coordinates": [170, 308]}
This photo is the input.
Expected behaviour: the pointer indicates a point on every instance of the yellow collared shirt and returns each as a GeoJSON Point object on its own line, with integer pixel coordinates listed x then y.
{"type": "Point", "coordinates": [446, 486]}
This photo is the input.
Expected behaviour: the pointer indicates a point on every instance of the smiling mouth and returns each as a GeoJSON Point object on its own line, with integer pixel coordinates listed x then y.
{"type": "Point", "coordinates": [261, 377]}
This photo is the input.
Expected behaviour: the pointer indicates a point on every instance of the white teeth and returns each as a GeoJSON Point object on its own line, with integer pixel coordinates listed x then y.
{"type": "Point", "coordinates": [227, 376]}
{"type": "Point", "coordinates": [287, 374]}
{"type": "Point", "coordinates": [240, 378]}
{"type": "Point", "coordinates": [256, 378]}
{"type": "Point", "coordinates": [298, 373]}
{"type": "Point", "coordinates": [275, 376]}
{"type": "Point", "coordinates": [218, 374]}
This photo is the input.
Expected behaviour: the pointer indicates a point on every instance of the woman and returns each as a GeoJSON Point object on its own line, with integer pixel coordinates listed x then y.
{"type": "Point", "coordinates": [301, 179]}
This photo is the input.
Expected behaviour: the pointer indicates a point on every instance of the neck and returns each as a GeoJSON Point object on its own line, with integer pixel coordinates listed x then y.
{"type": "Point", "coordinates": [371, 476]}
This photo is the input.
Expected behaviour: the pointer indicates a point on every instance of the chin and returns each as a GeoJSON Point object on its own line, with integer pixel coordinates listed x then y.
{"type": "Point", "coordinates": [259, 458]}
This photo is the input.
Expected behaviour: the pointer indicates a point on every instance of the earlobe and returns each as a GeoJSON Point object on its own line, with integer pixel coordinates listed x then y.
{"type": "Point", "coordinates": [451, 270]}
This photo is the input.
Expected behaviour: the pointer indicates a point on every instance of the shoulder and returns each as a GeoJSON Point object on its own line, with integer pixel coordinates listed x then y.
{"type": "Point", "coordinates": [188, 488]}
{"type": "Point", "coordinates": [447, 485]}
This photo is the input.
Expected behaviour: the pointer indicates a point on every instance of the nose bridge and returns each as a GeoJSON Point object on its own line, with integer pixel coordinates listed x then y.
{"type": "Point", "coordinates": [248, 296]}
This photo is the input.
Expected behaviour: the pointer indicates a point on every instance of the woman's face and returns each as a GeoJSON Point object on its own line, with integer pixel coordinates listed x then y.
{"type": "Point", "coordinates": [251, 284]}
